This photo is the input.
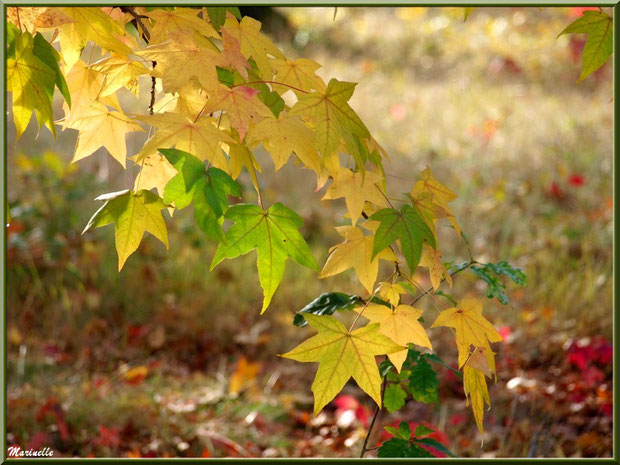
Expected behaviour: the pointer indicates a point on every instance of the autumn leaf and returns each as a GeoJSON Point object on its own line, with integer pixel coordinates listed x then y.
{"type": "Point", "coordinates": [472, 328]}
{"type": "Point", "coordinates": [431, 259]}
{"type": "Point", "coordinates": [155, 172]}
{"type": "Point", "coordinates": [241, 157]}
{"type": "Point", "coordinates": [299, 75]}
{"type": "Point", "coordinates": [176, 19]}
{"type": "Point", "coordinates": [275, 236]}
{"type": "Point", "coordinates": [36, 18]}
{"type": "Point", "coordinates": [244, 375]}
{"type": "Point", "coordinates": [85, 86]}
{"type": "Point", "coordinates": [599, 46]}
{"type": "Point", "coordinates": [89, 24]}
{"type": "Point", "coordinates": [240, 104]}
{"type": "Point", "coordinates": [185, 57]}
{"type": "Point", "coordinates": [332, 116]}
{"type": "Point", "coordinates": [476, 392]}
{"type": "Point", "coordinates": [133, 214]}
{"type": "Point", "coordinates": [283, 135]}
{"type": "Point", "coordinates": [401, 325]}
{"type": "Point", "coordinates": [253, 44]}
{"type": "Point", "coordinates": [357, 188]}
{"type": "Point", "coordinates": [31, 82]}
{"type": "Point", "coordinates": [200, 137]}
{"type": "Point", "coordinates": [342, 355]}
{"type": "Point", "coordinates": [405, 225]}
{"type": "Point", "coordinates": [119, 71]}
{"type": "Point", "coordinates": [430, 199]}
{"type": "Point", "coordinates": [101, 127]}
{"type": "Point", "coordinates": [355, 252]}
{"type": "Point", "coordinates": [391, 292]}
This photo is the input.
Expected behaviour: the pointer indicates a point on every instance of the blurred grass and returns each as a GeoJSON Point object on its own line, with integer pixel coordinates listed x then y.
{"type": "Point", "coordinates": [491, 104]}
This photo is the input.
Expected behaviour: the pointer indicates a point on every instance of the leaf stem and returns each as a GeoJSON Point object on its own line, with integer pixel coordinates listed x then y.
{"type": "Point", "coordinates": [271, 82]}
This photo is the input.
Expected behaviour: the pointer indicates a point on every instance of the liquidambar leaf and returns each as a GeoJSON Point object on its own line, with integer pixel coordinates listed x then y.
{"type": "Point", "coordinates": [476, 391]}
{"type": "Point", "coordinates": [342, 355]}
{"type": "Point", "coordinates": [401, 325]}
{"type": "Point", "coordinates": [132, 214]}
{"type": "Point", "coordinates": [405, 225]}
{"type": "Point", "coordinates": [599, 46]}
{"type": "Point", "coordinates": [275, 236]}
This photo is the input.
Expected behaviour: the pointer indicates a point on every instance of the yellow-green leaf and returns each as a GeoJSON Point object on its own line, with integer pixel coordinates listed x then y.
{"type": "Point", "coordinates": [342, 355]}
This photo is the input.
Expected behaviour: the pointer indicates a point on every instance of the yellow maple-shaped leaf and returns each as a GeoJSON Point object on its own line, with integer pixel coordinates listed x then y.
{"type": "Point", "coordinates": [119, 71]}
{"type": "Point", "coordinates": [31, 82]}
{"type": "Point", "coordinates": [35, 19]}
{"type": "Point", "coordinates": [85, 84]}
{"type": "Point", "coordinates": [133, 214]}
{"type": "Point", "coordinates": [430, 198]}
{"type": "Point", "coordinates": [155, 172]}
{"type": "Point", "coordinates": [89, 24]}
{"type": "Point", "coordinates": [431, 259]}
{"type": "Point", "coordinates": [283, 135]}
{"type": "Point", "coordinates": [471, 327]}
{"type": "Point", "coordinates": [253, 44]}
{"type": "Point", "coordinates": [241, 104]}
{"type": "Point", "coordinates": [391, 292]}
{"type": "Point", "coordinates": [401, 325]}
{"type": "Point", "coordinates": [341, 355]}
{"type": "Point", "coordinates": [101, 127]}
{"type": "Point", "coordinates": [241, 157]}
{"type": "Point", "coordinates": [355, 252]}
{"type": "Point", "coordinates": [356, 188]}
{"type": "Point", "coordinates": [297, 74]}
{"type": "Point", "coordinates": [186, 56]}
{"type": "Point", "coordinates": [231, 54]}
{"type": "Point", "coordinates": [334, 119]}
{"type": "Point", "coordinates": [200, 138]}
{"type": "Point", "coordinates": [165, 21]}
{"type": "Point", "coordinates": [476, 392]}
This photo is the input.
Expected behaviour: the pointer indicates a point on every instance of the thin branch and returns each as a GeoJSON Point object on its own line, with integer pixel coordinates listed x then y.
{"type": "Point", "coordinates": [375, 415]}
{"type": "Point", "coordinates": [430, 289]}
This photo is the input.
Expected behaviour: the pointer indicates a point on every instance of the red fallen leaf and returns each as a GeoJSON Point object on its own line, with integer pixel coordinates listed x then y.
{"type": "Point", "coordinates": [505, 332]}
{"type": "Point", "coordinates": [593, 376]}
{"type": "Point", "coordinates": [205, 453]}
{"type": "Point", "coordinates": [603, 351]}
{"type": "Point", "coordinates": [555, 191]}
{"type": "Point", "coordinates": [52, 405]}
{"type": "Point", "coordinates": [576, 180]}
{"type": "Point", "coordinates": [135, 333]}
{"type": "Point", "coordinates": [108, 437]}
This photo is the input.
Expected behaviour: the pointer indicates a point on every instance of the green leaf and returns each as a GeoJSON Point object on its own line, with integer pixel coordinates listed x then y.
{"type": "Point", "coordinates": [489, 273]}
{"type": "Point", "coordinates": [394, 397]}
{"type": "Point", "coordinates": [423, 383]}
{"type": "Point", "coordinates": [217, 15]}
{"type": "Point", "coordinates": [435, 445]}
{"type": "Point", "coordinates": [393, 431]}
{"type": "Point", "coordinates": [275, 236]}
{"type": "Point", "coordinates": [207, 188]}
{"type": "Point", "coordinates": [326, 304]}
{"type": "Point", "coordinates": [422, 430]}
{"type": "Point", "coordinates": [48, 55]}
{"type": "Point", "coordinates": [401, 448]}
{"type": "Point", "coordinates": [406, 225]}
{"type": "Point", "coordinates": [272, 100]}
{"type": "Point", "coordinates": [385, 367]}
{"type": "Point", "coordinates": [133, 214]}
{"type": "Point", "coordinates": [599, 44]}
{"type": "Point", "coordinates": [437, 359]}
{"type": "Point", "coordinates": [405, 430]}
{"type": "Point", "coordinates": [225, 76]}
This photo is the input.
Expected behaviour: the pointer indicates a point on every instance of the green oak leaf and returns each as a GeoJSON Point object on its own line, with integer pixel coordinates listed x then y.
{"type": "Point", "coordinates": [275, 236]}
{"type": "Point", "coordinates": [401, 448]}
{"type": "Point", "coordinates": [490, 272]}
{"type": "Point", "coordinates": [422, 430]}
{"type": "Point", "coordinates": [133, 214]}
{"type": "Point", "coordinates": [599, 46]}
{"type": "Point", "coordinates": [406, 225]}
{"type": "Point", "coordinates": [394, 397]}
{"type": "Point", "coordinates": [430, 442]}
{"type": "Point", "coordinates": [207, 188]}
